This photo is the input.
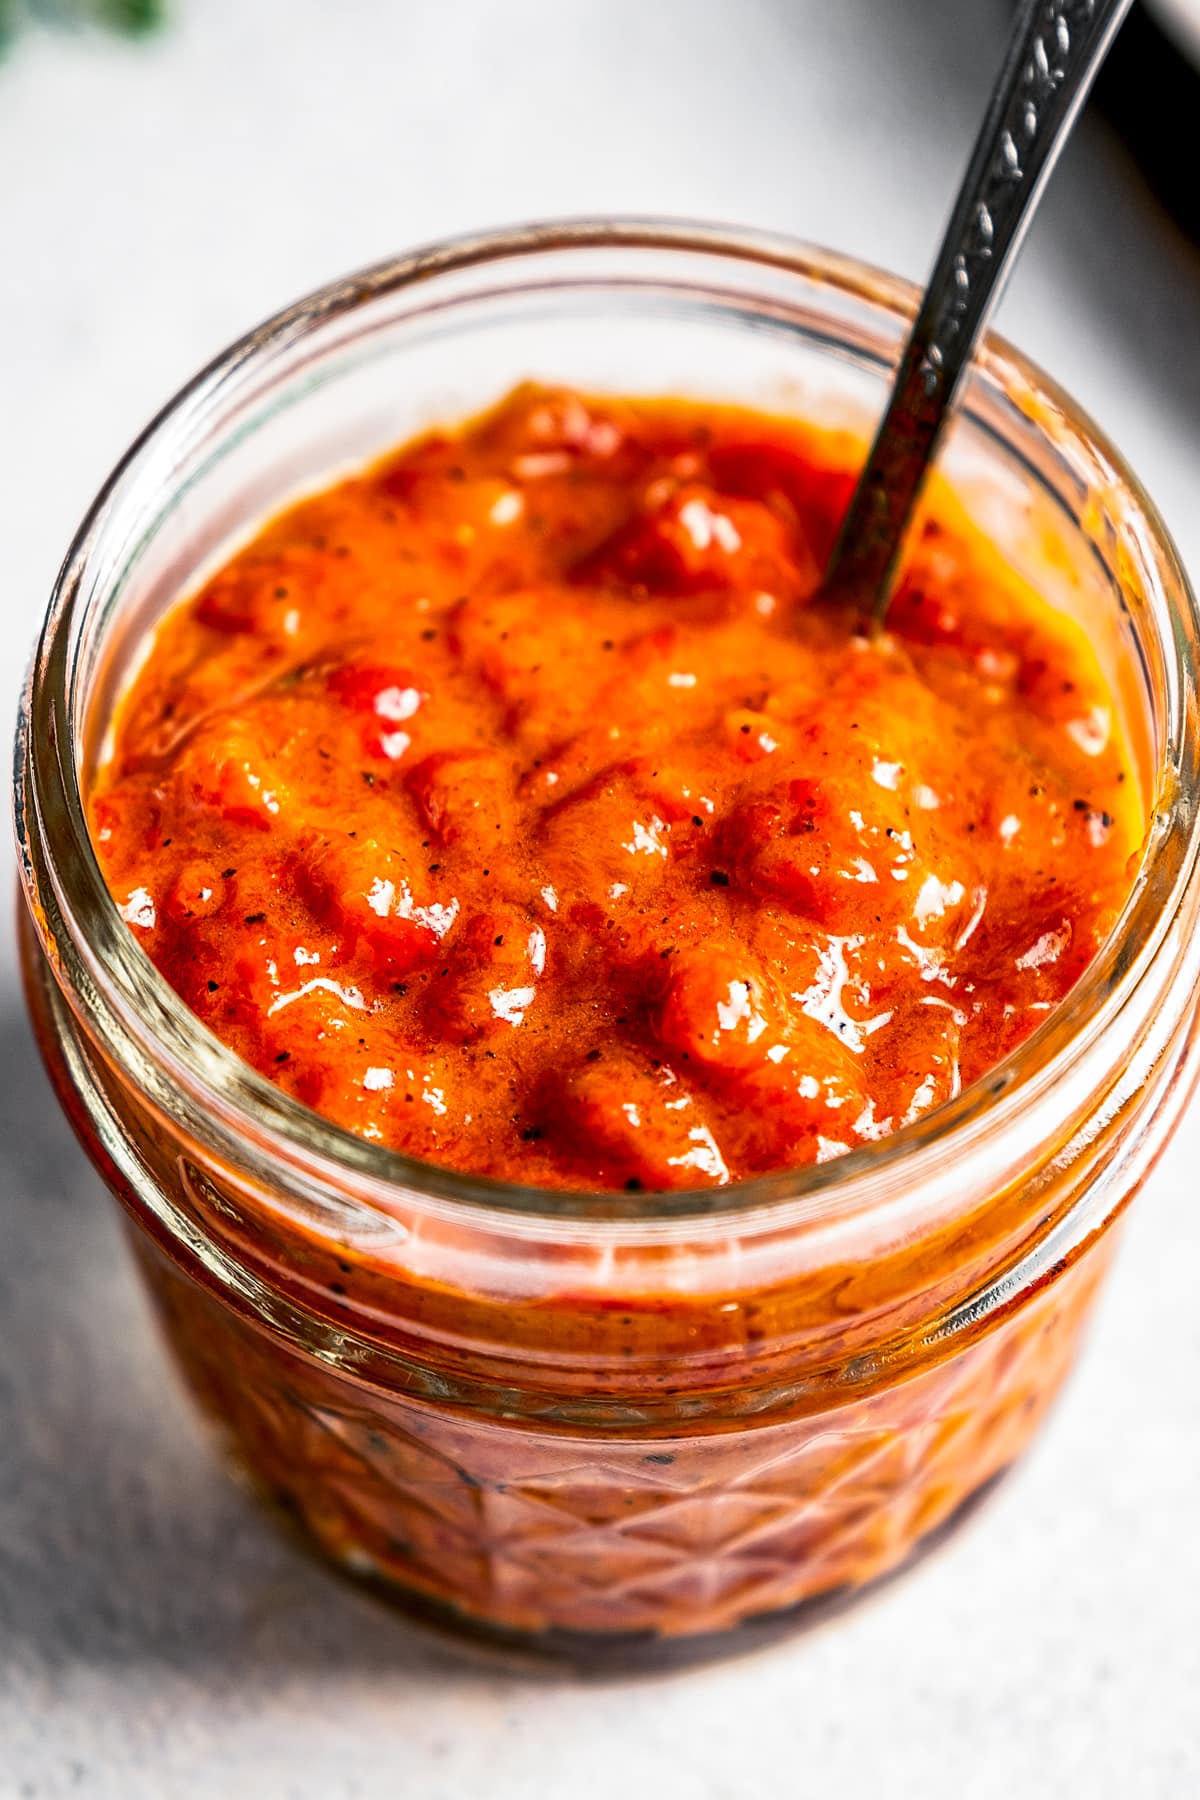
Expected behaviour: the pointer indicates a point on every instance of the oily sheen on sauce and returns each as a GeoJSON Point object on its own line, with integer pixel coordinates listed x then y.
{"type": "Point", "coordinates": [513, 804]}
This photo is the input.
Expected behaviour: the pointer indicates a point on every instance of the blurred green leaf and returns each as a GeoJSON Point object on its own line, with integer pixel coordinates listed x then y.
{"type": "Point", "coordinates": [131, 17]}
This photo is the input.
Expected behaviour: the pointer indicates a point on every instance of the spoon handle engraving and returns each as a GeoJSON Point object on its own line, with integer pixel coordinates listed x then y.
{"type": "Point", "coordinates": [1056, 49]}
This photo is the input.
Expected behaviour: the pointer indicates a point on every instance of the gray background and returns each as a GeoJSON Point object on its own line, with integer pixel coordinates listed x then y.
{"type": "Point", "coordinates": [156, 1638]}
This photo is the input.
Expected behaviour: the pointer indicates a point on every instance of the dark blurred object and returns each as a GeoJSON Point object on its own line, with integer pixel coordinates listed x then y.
{"type": "Point", "coordinates": [1150, 91]}
{"type": "Point", "coordinates": [130, 16]}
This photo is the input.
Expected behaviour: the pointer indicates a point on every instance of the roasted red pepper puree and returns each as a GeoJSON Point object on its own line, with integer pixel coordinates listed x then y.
{"type": "Point", "coordinates": [513, 803]}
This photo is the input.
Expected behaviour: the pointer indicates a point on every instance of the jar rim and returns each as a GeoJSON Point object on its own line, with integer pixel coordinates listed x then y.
{"type": "Point", "coordinates": [63, 882]}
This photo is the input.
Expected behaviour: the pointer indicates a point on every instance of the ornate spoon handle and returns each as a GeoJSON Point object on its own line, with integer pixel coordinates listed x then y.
{"type": "Point", "coordinates": [1057, 46]}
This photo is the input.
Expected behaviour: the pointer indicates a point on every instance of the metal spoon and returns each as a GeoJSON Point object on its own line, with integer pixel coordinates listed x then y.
{"type": "Point", "coordinates": [1056, 49]}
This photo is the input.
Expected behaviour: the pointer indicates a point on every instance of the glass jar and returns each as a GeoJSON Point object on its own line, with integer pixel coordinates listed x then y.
{"type": "Point", "coordinates": [603, 1425]}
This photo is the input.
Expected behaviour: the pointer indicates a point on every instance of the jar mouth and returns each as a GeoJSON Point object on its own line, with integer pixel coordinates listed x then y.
{"type": "Point", "coordinates": [110, 978]}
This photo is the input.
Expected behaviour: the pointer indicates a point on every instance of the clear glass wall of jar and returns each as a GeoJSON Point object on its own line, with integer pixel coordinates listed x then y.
{"type": "Point", "coordinates": [606, 1425]}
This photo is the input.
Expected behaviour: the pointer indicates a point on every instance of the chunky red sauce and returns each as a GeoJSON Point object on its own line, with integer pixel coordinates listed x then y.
{"type": "Point", "coordinates": [514, 804]}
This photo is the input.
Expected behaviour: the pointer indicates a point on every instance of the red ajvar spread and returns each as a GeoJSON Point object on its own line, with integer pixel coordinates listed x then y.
{"type": "Point", "coordinates": [519, 803]}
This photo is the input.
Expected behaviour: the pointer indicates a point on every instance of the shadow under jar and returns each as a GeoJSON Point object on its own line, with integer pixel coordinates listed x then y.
{"type": "Point", "coordinates": [612, 1426]}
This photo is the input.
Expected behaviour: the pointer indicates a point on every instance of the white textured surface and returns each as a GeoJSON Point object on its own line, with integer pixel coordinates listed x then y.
{"type": "Point", "coordinates": [156, 1638]}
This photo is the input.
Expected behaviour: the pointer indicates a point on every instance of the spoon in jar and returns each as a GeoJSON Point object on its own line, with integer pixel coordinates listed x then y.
{"type": "Point", "coordinates": [1056, 49]}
